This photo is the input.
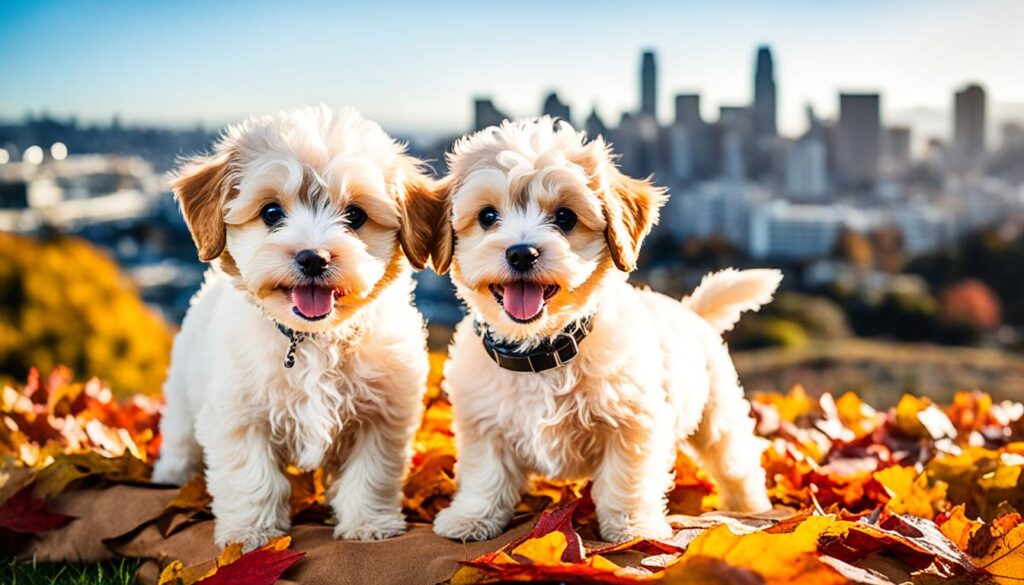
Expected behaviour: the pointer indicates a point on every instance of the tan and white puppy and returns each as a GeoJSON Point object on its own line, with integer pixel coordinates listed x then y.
{"type": "Point", "coordinates": [311, 219]}
{"type": "Point", "coordinates": [544, 229]}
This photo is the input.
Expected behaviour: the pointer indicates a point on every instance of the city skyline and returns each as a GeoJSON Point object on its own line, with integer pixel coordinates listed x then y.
{"type": "Point", "coordinates": [181, 76]}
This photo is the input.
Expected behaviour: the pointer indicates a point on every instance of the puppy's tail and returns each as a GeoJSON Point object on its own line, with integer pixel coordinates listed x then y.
{"type": "Point", "coordinates": [722, 296]}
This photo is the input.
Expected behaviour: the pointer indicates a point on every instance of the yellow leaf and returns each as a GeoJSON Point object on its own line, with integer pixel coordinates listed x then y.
{"type": "Point", "coordinates": [176, 573]}
{"type": "Point", "coordinates": [909, 491]}
{"type": "Point", "coordinates": [959, 528]}
{"type": "Point", "coordinates": [783, 557]}
{"type": "Point", "coordinates": [601, 563]}
{"type": "Point", "coordinates": [544, 550]}
{"type": "Point", "coordinates": [466, 576]}
{"type": "Point", "coordinates": [1003, 555]}
{"type": "Point", "coordinates": [230, 554]}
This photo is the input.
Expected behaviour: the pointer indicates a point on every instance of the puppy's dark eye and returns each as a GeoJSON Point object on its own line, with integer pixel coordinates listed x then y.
{"type": "Point", "coordinates": [272, 214]}
{"type": "Point", "coordinates": [355, 216]}
{"type": "Point", "coordinates": [487, 217]}
{"type": "Point", "coordinates": [565, 219]}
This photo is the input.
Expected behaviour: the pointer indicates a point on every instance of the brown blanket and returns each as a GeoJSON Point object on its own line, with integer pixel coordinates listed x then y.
{"type": "Point", "coordinates": [128, 521]}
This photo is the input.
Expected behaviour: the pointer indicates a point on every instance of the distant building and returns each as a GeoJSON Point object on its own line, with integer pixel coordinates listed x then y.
{"type": "Point", "coordinates": [649, 85]}
{"type": "Point", "coordinates": [691, 128]}
{"type": "Point", "coordinates": [734, 132]}
{"type": "Point", "coordinates": [486, 114]}
{"type": "Point", "coordinates": [858, 140]}
{"type": "Point", "coordinates": [1013, 137]}
{"type": "Point", "coordinates": [896, 150]}
{"type": "Point", "coordinates": [714, 208]}
{"type": "Point", "coordinates": [764, 96]}
{"type": "Point", "coordinates": [595, 126]}
{"type": "Point", "coordinates": [555, 108]}
{"type": "Point", "coordinates": [969, 125]}
{"type": "Point", "coordinates": [807, 168]}
{"type": "Point", "coordinates": [764, 128]}
{"type": "Point", "coordinates": [785, 231]}
{"type": "Point", "coordinates": [636, 143]}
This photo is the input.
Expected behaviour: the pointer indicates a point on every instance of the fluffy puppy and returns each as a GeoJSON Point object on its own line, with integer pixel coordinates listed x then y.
{"type": "Point", "coordinates": [302, 347]}
{"type": "Point", "coordinates": [543, 231]}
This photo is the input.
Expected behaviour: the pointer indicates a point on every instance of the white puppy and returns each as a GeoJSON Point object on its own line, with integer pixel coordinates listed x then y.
{"type": "Point", "coordinates": [303, 346]}
{"type": "Point", "coordinates": [596, 378]}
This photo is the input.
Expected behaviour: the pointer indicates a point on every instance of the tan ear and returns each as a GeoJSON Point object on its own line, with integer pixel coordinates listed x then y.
{"type": "Point", "coordinates": [424, 211]}
{"type": "Point", "coordinates": [631, 210]}
{"type": "Point", "coordinates": [201, 187]}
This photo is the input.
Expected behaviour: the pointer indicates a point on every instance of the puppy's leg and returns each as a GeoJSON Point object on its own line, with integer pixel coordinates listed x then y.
{"type": "Point", "coordinates": [490, 482]}
{"type": "Point", "coordinates": [634, 475]}
{"type": "Point", "coordinates": [180, 455]}
{"type": "Point", "coordinates": [725, 443]}
{"type": "Point", "coordinates": [250, 492]}
{"type": "Point", "coordinates": [367, 495]}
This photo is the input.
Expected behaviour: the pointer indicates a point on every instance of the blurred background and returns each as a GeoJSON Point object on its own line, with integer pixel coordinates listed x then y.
{"type": "Point", "coordinates": [872, 150]}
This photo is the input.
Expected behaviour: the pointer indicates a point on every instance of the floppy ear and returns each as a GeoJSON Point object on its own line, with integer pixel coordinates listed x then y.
{"type": "Point", "coordinates": [424, 212]}
{"type": "Point", "coordinates": [631, 210]}
{"type": "Point", "coordinates": [201, 187]}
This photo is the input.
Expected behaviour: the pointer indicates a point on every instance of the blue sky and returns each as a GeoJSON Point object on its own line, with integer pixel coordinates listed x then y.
{"type": "Point", "coordinates": [414, 66]}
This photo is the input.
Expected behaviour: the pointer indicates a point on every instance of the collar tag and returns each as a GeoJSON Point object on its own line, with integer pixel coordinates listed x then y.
{"type": "Point", "coordinates": [293, 343]}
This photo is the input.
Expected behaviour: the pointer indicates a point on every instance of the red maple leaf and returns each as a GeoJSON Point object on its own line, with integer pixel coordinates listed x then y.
{"type": "Point", "coordinates": [262, 566]}
{"type": "Point", "coordinates": [26, 513]}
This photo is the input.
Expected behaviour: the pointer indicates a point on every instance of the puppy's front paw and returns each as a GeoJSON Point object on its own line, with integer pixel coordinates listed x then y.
{"type": "Point", "coordinates": [370, 527]}
{"type": "Point", "coordinates": [454, 524]}
{"type": "Point", "coordinates": [250, 539]}
{"type": "Point", "coordinates": [621, 530]}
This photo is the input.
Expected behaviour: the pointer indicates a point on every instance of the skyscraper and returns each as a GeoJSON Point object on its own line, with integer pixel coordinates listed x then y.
{"type": "Point", "coordinates": [555, 108]}
{"type": "Point", "coordinates": [649, 85]}
{"type": "Point", "coordinates": [969, 124]}
{"type": "Point", "coordinates": [595, 126]}
{"type": "Point", "coordinates": [485, 114]}
{"type": "Point", "coordinates": [700, 144]}
{"type": "Point", "coordinates": [764, 95]}
{"type": "Point", "coordinates": [858, 139]}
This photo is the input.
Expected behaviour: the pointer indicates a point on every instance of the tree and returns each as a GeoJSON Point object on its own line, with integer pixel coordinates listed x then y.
{"type": "Point", "coordinates": [64, 302]}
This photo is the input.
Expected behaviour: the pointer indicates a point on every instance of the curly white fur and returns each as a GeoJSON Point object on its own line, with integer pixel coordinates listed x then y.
{"type": "Point", "coordinates": [654, 374]}
{"type": "Point", "coordinates": [353, 399]}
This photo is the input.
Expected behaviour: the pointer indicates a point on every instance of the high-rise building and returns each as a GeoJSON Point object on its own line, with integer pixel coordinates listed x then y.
{"type": "Point", "coordinates": [595, 126]}
{"type": "Point", "coordinates": [764, 146]}
{"type": "Point", "coordinates": [807, 168]}
{"type": "Point", "coordinates": [734, 133]}
{"type": "Point", "coordinates": [696, 134]}
{"type": "Point", "coordinates": [649, 85]}
{"type": "Point", "coordinates": [969, 124]}
{"type": "Point", "coordinates": [858, 140]}
{"type": "Point", "coordinates": [485, 114]}
{"type": "Point", "coordinates": [764, 96]}
{"type": "Point", "coordinates": [555, 108]}
{"type": "Point", "coordinates": [896, 150]}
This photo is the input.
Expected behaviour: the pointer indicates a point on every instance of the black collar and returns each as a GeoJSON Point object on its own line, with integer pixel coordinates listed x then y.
{"type": "Point", "coordinates": [294, 337]}
{"type": "Point", "coordinates": [548, 355]}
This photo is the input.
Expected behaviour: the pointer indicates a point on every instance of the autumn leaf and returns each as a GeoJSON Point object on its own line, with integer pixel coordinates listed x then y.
{"type": "Point", "coordinates": [909, 491]}
{"type": "Point", "coordinates": [263, 566]}
{"type": "Point", "coordinates": [773, 558]}
{"type": "Point", "coordinates": [957, 527]}
{"type": "Point", "coordinates": [998, 549]}
{"type": "Point", "coordinates": [24, 512]}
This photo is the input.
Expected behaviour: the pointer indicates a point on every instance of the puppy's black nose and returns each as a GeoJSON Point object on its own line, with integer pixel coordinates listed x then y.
{"type": "Point", "coordinates": [312, 262]}
{"type": "Point", "coordinates": [522, 257]}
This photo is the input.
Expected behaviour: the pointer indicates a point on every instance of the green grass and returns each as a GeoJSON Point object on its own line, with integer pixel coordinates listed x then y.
{"type": "Point", "coordinates": [119, 572]}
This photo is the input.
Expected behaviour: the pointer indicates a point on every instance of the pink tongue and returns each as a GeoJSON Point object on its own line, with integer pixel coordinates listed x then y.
{"type": "Point", "coordinates": [313, 301]}
{"type": "Point", "coordinates": [523, 300]}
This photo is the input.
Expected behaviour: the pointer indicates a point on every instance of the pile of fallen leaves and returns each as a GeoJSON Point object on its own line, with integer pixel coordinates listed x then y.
{"type": "Point", "coordinates": [919, 492]}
